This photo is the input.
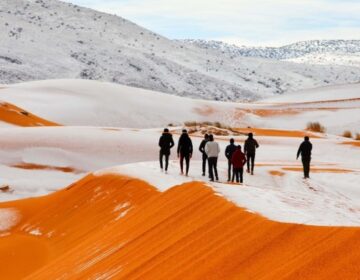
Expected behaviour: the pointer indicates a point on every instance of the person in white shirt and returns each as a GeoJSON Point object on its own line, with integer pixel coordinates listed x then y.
{"type": "Point", "coordinates": [212, 150]}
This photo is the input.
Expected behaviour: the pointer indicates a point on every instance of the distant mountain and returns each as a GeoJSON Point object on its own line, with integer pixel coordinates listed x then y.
{"type": "Point", "coordinates": [291, 51]}
{"type": "Point", "coordinates": [49, 39]}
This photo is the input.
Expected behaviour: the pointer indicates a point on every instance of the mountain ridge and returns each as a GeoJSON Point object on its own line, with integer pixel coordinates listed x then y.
{"type": "Point", "coordinates": [44, 40]}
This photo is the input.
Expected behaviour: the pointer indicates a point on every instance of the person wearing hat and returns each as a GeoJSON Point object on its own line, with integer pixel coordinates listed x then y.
{"type": "Point", "coordinates": [250, 150]}
{"type": "Point", "coordinates": [166, 142]}
{"type": "Point", "coordinates": [202, 150]}
{"type": "Point", "coordinates": [184, 151]}
{"type": "Point", "coordinates": [305, 152]}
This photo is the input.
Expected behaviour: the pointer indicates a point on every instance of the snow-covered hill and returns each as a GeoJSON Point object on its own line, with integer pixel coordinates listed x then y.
{"type": "Point", "coordinates": [292, 51]}
{"type": "Point", "coordinates": [51, 39]}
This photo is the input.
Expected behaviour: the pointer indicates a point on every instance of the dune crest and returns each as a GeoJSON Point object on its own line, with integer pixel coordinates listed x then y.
{"type": "Point", "coordinates": [108, 227]}
{"type": "Point", "coordinates": [14, 115]}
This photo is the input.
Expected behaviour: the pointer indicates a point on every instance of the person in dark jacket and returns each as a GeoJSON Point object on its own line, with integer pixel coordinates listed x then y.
{"type": "Point", "coordinates": [202, 150]}
{"type": "Point", "coordinates": [230, 149]}
{"type": "Point", "coordinates": [185, 150]}
{"type": "Point", "coordinates": [166, 142]}
{"type": "Point", "coordinates": [305, 152]}
{"type": "Point", "coordinates": [250, 150]}
{"type": "Point", "coordinates": [238, 160]}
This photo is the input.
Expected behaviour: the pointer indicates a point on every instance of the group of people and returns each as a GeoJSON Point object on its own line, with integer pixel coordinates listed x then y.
{"type": "Point", "coordinates": [210, 150]}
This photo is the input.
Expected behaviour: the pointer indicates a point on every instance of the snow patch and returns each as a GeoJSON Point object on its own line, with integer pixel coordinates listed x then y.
{"type": "Point", "coordinates": [8, 218]}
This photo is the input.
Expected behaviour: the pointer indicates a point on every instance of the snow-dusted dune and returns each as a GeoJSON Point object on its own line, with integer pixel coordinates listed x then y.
{"type": "Point", "coordinates": [93, 103]}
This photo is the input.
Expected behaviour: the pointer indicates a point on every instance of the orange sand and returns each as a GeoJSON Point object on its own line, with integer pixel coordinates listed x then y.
{"type": "Point", "coordinates": [205, 110]}
{"type": "Point", "coordinates": [320, 170]}
{"type": "Point", "coordinates": [286, 112]}
{"type": "Point", "coordinates": [276, 132]}
{"type": "Point", "coordinates": [14, 115]}
{"type": "Point", "coordinates": [186, 232]}
{"type": "Point", "coordinates": [33, 166]}
{"type": "Point", "coordinates": [353, 143]}
{"type": "Point", "coordinates": [276, 173]}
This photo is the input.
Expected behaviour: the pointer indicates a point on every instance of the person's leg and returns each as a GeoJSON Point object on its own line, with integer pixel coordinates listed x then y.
{"type": "Point", "coordinates": [166, 162]}
{"type": "Point", "coordinates": [187, 161]}
{"type": "Point", "coordinates": [304, 168]}
{"type": "Point", "coordinates": [208, 160]}
{"type": "Point", "coordinates": [229, 170]}
{"type": "Point", "coordinates": [161, 160]}
{"type": "Point", "coordinates": [241, 173]}
{"type": "Point", "coordinates": [215, 169]}
{"type": "Point", "coordinates": [306, 165]}
{"type": "Point", "coordinates": [236, 174]}
{"type": "Point", "coordinates": [252, 163]}
{"type": "Point", "coordinates": [181, 163]}
{"type": "Point", "coordinates": [309, 168]}
{"type": "Point", "coordinates": [204, 158]}
{"type": "Point", "coordinates": [211, 173]}
{"type": "Point", "coordinates": [248, 163]}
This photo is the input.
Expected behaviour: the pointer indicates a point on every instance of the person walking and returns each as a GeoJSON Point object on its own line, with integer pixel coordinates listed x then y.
{"type": "Point", "coordinates": [305, 152]}
{"type": "Point", "coordinates": [202, 150]}
{"type": "Point", "coordinates": [230, 149]}
{"type": "Point", "coordinates": [166, 142]}
{"type": "Point", "coordinates": [250, 150]}
{"type": "Point", "coordinates": [238, 160]}
{"type": "Point", "coordinates": [212, 150]}
{"type": "Point", "coordinates": [185, 150]}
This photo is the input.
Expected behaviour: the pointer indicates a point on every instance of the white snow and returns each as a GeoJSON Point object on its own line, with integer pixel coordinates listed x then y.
{"type": "Point", "coordinates": [323, 200]}
{"type": "Point", "coordinates": [51, 39]}
{"type": "Point", "coordinates": [326, 199]}
{"type": "Point", "coordinates": [35, 232]}
{"type": "Point", "coordinates": [77, 102]}
{"type": "Point", "coordinates": [8, 218]}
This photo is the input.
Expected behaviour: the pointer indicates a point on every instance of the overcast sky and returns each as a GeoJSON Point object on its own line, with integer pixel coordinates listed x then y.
{"type": "Point", "coordinates": [249, 22]}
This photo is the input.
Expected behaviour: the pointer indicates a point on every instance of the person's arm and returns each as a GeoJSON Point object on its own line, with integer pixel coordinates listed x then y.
{"type": "Point", "coordinates": [299, 151]}
{"type": "Point", "coordinates": [179, 147]}
{"type": "Point", "coordinates": [218, 147]}
{"type": "Point", "coordinates": [202, 146]}
{"type": "Point", "coordinates": [160, 142]}
{"type": "Point", "coordinates": [227, 154]}
{"type": "Point", "coordinates": [245, 147]}
{"type": "Point", "coordinates": [256, 144]}
{"type": "Point", "coordinates": [207, 148]}
{"type": "Point", "coordinates": [172, 143]}
{"type": "Point", "coordinates": [191, 148]}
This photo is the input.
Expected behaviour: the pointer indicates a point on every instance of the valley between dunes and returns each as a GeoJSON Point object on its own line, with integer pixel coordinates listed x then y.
{"type": "Point", "coordinates": [82, 196]}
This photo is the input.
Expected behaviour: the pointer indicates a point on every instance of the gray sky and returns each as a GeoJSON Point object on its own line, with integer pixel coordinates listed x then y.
{"type": "Point", "coordinates": [249, 22]}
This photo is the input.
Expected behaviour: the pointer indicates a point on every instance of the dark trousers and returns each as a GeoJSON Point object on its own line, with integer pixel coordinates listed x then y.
{"type": "Point", "coordinates": [250, 162]}
{"type": "Point", "coordinates": [162, 155]}
{"type": "Point", "coordinates": [204, 160]}
{"type": "Point", "coordinates": [229, 171]}
{"type": "Point", "coordinates": [187, 162]}
{"type": "Point", "coordinates": [306, 166]}
{"type": "Point", "coordinates": [213, 168]}
{"type": "Point", "coordinates": [238, 172]}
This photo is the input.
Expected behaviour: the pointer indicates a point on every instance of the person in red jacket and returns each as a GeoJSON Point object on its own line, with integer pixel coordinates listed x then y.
{"type": "Point", "coordinates": [238, 160]}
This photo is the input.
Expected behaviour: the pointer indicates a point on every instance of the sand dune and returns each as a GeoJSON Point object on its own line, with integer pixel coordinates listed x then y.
{"type": "Point", "coordinates": [14, 115]}
{"type": "Point", "coordinates": [113, 227]}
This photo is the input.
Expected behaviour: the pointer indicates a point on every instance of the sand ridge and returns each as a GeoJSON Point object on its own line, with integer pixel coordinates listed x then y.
{"type": "Point", "coordinates": [122, 228]}
{"type": "Point", "coordinates": [12, 114]}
